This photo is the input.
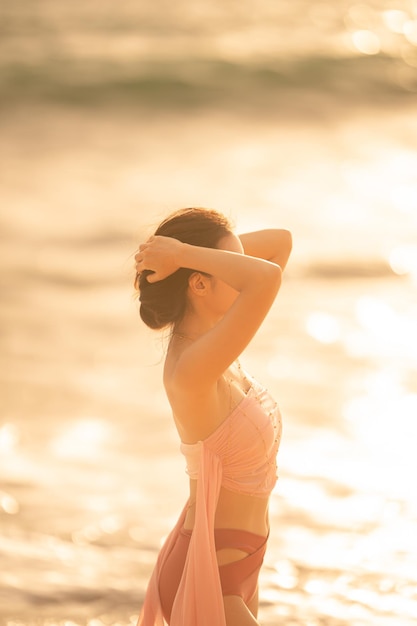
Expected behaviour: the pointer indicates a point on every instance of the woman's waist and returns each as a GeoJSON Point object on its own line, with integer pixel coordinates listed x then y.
{"type": "Point", "coordinates": [235, 511]}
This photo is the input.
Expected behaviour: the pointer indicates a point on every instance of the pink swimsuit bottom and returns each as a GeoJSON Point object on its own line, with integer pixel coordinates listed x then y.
{"type": "Point", "coordinates": [238, 578]}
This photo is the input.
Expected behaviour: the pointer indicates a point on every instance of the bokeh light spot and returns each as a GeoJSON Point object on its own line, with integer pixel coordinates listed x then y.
{"type": "Point", "coordinates": [9, 504]}
{"type": "Point", "coordinates": [286, 575]}
{"type": "Point", "coordinates": [395, 19]}
{"type": "Point", "coordinates": [403, 260]}
{"type": "Point", "coordinates": [410, 31]}
{"type": "Point", "coordinates": [9, 437]}
{"type": "Point", "coordinates": [323, 327]}
{"type": "Point", "coordinates": [83, 439]}
{"type": "Point", "coordinates": [366, 41]}
{"type": "Point", "coordinates": [404, 197]}
{"type": "Point", "coordinates": [374, 314]}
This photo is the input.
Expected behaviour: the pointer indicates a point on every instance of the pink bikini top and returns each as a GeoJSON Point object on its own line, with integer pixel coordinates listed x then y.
{"type": "Point", "coordinates": [246, 444]}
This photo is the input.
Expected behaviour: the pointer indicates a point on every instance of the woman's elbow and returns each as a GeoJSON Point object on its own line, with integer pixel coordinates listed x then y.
{"type": "Point", "coordinates": [286, 241]}
{"type": "Point", "coordinates": [274, 277]}
{"type": "Point", "coordinates": [284, 248]}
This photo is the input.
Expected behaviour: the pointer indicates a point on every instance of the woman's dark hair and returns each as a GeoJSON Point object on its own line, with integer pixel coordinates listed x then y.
{"type": "Point", "coordinates": [163, 303]}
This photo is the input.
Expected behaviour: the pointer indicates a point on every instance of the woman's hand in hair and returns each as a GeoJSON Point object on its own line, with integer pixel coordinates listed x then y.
{"type": "Point", "coordinates": [158, 255]}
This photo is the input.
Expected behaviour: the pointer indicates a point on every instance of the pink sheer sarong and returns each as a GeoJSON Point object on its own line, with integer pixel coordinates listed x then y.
{"type": "Point", "coordinates": [199, 599]}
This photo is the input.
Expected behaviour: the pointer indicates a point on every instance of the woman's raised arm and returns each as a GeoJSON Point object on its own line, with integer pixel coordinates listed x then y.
{"type": "Point", "coordinates": [255, 280]}
{"type": "Point", "coordinates": [272, 244]}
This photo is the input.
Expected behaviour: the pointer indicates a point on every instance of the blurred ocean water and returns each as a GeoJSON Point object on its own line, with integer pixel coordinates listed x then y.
{"type": "Point", "coordinates": [293, 114]}
{"type": "Point", "coordinates": [199, 54]}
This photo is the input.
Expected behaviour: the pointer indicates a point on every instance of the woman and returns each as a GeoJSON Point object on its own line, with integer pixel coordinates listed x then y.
{"type": "Point", "coordinates": [213, 290]}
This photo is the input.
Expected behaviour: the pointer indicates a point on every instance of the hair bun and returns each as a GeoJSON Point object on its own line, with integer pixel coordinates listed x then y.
{"type": "Point", "coordinates": [150, 317]}
{"type": "Point", "coordinates": [163, 303]}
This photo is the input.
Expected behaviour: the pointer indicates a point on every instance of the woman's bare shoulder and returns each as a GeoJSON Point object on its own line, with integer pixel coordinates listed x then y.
{"type": "Point", "coordinates": [195, 408]}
